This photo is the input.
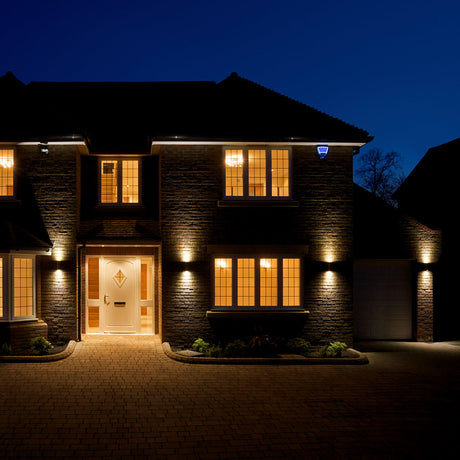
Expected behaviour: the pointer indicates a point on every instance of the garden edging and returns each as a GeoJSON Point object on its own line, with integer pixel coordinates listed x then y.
{"type": "Point", "coordinates": [357, 358]}
{"type": "Point", "coordinates": [68, 350]}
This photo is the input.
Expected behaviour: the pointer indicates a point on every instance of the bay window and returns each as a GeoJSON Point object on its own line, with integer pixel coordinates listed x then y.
{"type": "Point", "coordinates": [17, 287]}
{"type": "Point", "coordinates": [257, 282]}
{"type": "Point", "coordinates": [257, 173]}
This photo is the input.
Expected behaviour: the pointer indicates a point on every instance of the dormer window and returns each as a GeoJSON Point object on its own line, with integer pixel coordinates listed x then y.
{"type": "Point", "coordinates": [257, 173]}
{"type": "Point", "coordinates": [6, 172]}
{"type": "Point", "coordinates": [119, 181]}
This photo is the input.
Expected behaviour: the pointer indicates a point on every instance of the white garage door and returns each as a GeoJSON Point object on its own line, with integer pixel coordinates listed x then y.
{"type": "Point", "coordinates": [382, 304]}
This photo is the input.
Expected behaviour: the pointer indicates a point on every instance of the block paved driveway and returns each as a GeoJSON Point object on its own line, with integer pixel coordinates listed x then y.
{"type": "Point", "coordinates": [121, 397]}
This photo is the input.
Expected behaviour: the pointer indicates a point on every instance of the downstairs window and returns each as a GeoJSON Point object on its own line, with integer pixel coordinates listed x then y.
{"type": "Point", "coordinates": [257, 282]}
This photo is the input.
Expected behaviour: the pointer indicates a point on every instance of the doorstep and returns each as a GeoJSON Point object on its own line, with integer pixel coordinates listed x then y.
{"type": "Point", "coordinates": [352, 357]}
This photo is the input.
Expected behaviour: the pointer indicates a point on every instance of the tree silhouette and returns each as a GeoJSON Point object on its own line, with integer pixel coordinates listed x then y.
{"type": "Point", "coordinates": [380, 173]}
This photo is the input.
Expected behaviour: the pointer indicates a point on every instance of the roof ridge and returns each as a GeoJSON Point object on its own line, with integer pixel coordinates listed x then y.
{"type": "Point", "coordinates": [235, 75]}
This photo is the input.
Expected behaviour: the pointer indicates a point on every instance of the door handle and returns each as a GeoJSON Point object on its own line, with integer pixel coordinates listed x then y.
{"type": "Point", "coordinates": [105, 299]}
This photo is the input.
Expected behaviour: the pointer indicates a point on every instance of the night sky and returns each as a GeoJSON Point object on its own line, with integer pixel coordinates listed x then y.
{"type": "Point", "coordinates": [391, 68]}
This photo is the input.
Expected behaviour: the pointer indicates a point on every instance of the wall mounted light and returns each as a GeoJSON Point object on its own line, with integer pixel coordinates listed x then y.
{"type": "Point", "coordinates": [322, 151]}
{"type": "Point", "coordinates": [43, 147]}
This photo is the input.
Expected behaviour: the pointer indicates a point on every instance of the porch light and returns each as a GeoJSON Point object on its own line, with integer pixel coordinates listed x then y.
{"type": "Point", "coordinates": [322, 151]}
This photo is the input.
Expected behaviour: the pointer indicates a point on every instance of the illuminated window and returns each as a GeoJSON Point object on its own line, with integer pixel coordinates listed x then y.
{"type": "Point", "coordinates": [23, 287]}
{"type": "Point", "coordinates": [1, 287]}
{"type": "Point", "coordinates": [268, 282]}
{"type": "Point", "coordinates": [223, 282]}
{"type": "Point", "coordinates": [234, 172]}
{"type": "Point", "coordinates": [6, 172]}
{"type": "Point", "coordinates": [291, 282]}
{"type": "Point", "coordinates": [257, 173]}
{"type": "Point", "coordinates": [119, 181]}
{"type": "Point", "coordinates": [246, 282]}
{"type": "Point", "coordinates": [265, 283]}
{"type": "Point", "coordinates": [17, 287]}
{"type": "Point", "coordinates": [280, 173]}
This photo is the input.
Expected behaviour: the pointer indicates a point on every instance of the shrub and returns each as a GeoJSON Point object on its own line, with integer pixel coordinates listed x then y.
{"type": "Point", "coordinates": [298, 345]}
{"type": "Point", "coordinates": [40, 345]}
{"type": "Point", "coordinates": [237, 348]}
{"type": "Point", "coordinates": [214, 351]}
{"type": "Point", "coordinates": [5, 349]}
{"type": "Point", "coordinates": [333, 350]}
{"type": "Point", "coordinates": [201, 346]}
{"type": "Point", "coordinates": [262, 344]}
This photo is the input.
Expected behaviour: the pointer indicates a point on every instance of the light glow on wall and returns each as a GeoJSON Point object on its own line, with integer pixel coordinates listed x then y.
{"type": "Point", "coordinates": [186, 256]}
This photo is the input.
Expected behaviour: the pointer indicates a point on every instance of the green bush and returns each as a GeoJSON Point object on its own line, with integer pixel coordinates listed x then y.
{"type": "Point", "coordinates": [201, 346]}
{"type": "Point", "coordinates": [298, 345]}
{"type": "Point", "coordinates": [40, 345]}
{"type": "Point", "coordinates": [5, 349]}
{"type": "Point", "coordinates": [237, 348]}
{"type": "Point", "coordinates": [214, 351]}
{"type": "Point", "coordinates": [333, 350]}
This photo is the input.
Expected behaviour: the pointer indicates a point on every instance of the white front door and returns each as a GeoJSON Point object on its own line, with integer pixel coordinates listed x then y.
{"type": "Point", "coordinates": [120, 302]}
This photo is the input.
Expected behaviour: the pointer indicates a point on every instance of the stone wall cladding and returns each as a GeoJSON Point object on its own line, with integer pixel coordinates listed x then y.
{"type": "Point", "coordinates": [192, 185]}
{"type": "Point", "coordinates": [54, 182]}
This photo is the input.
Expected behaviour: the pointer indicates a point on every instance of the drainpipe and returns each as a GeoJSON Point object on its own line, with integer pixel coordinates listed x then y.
{"type": "Point", "coordinates": [80, 247]}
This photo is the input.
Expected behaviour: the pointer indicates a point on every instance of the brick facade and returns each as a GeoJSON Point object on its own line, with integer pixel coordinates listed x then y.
{"type": "Point", "coordinates": [54, 180]}
{"type": "Point", "coordinates": [192, 220]}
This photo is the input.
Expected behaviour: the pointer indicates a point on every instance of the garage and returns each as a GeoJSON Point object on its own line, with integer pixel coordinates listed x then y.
{"type": "Point", "coordinates": [383, 300]}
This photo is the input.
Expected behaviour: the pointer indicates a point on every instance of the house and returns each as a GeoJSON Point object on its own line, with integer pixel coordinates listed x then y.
{"type": "Point", "coordinates": [428, 194]}
{"type": "Point", "coordinates": [183, 209]}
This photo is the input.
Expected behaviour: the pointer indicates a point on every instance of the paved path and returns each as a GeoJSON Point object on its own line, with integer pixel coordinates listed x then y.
{"type": "Point", "coordinates": [121, 397]}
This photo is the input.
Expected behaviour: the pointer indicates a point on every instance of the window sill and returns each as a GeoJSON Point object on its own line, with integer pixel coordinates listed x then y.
{"type": "Point", "coordinates": [103, 208]}
{"type": "Point", "coordinates": [7, 201]}
{"type": "Point", "coordinates": [257, 203]}
{"type": "Point", "coordinates": [216, 314]}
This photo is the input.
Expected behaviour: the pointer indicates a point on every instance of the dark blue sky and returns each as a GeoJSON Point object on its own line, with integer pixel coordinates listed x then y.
{"type": "Point", "coordinates": [391, 68]}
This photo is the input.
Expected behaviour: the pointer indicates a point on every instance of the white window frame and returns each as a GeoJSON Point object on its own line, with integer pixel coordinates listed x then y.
{"type": "Point", "coordinates": [268, 176]}
{"type": "Point", "coordinates": [8, 288]}
{"type": "Point", "coordinates": [257, 259]}
{"type": "Point", "coordinates": [119, 161]}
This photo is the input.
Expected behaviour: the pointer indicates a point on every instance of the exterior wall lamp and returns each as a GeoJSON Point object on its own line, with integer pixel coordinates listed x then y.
{"type": "Point", "coordinates": [44, 147]}
{"type": "Point", "coordinates": [322, 151]}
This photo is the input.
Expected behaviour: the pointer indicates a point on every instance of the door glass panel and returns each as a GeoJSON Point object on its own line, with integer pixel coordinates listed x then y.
{"type": "Point", "coordinates": [93, 278]}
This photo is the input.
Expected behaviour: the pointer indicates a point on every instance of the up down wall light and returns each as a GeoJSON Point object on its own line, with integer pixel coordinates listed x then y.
{"type": "Point", "coordinates": [322, 151]}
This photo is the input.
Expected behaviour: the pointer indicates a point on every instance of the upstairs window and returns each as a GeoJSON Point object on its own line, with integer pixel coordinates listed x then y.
{"type": "Point", "coordinates": [257, 173]}
{"type": "Point", "coordinates": [6, 172]}
{"type": "Point", "coordinates": [119, 181]}
{"type": "Point", "coordinates": [257, 282]}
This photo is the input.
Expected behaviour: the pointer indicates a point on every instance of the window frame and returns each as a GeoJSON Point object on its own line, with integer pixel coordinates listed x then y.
{"type": "Point", "coordinates": [7, 281]}
{"type": "Point", "coordinates": [13, 196]}
{"type": "Point", "coordinates": [119, 160]}
{"type": "Point", "coordinates": [268, 173]}
{"type": "Point", "coordinates": [257, 281]}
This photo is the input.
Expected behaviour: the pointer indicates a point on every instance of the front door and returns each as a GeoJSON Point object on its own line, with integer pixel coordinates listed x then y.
{"type": "Point", "coordinates": [120, 302]}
